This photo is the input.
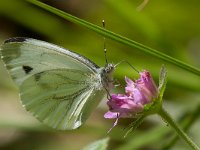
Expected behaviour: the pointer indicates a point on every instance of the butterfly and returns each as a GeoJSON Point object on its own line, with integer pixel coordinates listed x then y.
{"type": "Point", "coordinates": [59, 87]}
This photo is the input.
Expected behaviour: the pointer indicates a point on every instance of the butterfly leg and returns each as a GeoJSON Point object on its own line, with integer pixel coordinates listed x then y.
{"type": "Point", "coordinates": [115, 123]}
{"type": "Point", "coordinates": [116, 83]}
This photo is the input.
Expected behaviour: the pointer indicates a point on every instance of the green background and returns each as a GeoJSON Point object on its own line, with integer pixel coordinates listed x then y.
{"type": "Point", "coordinates": [172, 27]}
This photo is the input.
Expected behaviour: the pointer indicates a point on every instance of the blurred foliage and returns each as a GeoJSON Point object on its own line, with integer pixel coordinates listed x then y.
{"type": "Point", "coordinates": [98, 145]}
{"type": "Point", "coordinates": [169, 26]}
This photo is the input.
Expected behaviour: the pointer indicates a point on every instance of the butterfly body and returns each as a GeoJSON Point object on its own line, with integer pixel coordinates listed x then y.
{"type": "Point", "coordinates": [59, 87]}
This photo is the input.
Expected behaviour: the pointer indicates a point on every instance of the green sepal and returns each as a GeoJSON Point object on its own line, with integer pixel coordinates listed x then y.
{"type": "Point", "coordinates": [162, 82]}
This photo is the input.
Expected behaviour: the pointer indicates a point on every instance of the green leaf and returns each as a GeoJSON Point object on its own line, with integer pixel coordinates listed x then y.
{"type": "Point", "coordinates": [162, 81]}
{"type": "Point", "coordinates": [98, 145]}
{"type": "Point", "coordinates": [118, 38]}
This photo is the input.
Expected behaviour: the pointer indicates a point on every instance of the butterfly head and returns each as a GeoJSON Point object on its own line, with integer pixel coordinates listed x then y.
{"type": "Point", "coordinates": [109, 68]}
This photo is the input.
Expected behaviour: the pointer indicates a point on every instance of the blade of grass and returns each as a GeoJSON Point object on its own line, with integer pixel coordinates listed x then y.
{"type": "Point", "coordinates": [141, 22]}
{"type": "Point", "coordinates": [118, 37]}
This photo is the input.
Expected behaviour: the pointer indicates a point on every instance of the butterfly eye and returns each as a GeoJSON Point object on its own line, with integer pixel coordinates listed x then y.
{"type": "Point", "coordinates": [109, 68]}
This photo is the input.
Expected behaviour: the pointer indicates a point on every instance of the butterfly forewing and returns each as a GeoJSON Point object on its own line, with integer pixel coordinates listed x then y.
{"type": "Point", "coordinates": [33, 56]}
{"type": "Point", "coordinates": [57, 86]}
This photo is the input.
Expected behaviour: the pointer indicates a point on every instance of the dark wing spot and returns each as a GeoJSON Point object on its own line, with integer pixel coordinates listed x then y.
{"type": "Point", "coordinates": [16, 39]}
{"type": "Point", "coordinates": [27, 69]}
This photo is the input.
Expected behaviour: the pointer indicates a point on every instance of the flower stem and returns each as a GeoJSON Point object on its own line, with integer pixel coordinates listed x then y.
{"type": "Point", "coordinates": [188, 119]}
{"type": "Point", "coordinates": [178, 130]}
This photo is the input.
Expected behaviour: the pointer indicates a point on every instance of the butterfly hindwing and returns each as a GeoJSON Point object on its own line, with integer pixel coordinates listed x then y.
{"type": "Point", "coordinates": [57, 86]}
{"type": "Point", "coordinates": [60, 97]}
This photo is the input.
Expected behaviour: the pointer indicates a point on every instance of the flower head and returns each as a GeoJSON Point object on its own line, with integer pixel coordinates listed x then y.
{"type": "Point", "coordinates": [137, 94]}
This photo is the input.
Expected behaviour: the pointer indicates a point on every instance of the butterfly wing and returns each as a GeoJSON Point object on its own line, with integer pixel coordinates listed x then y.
{"type": "Point", "coordinates": [62, 99]}
{"type": "Point", "coordinates": [59, 87]}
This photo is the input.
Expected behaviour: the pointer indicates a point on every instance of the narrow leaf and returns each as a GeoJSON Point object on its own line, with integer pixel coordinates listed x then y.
{"type": "Point", "coordinates": [118, 38]}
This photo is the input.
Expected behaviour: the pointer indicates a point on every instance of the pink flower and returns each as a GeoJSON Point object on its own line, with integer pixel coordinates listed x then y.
{"type": "Point", "coordinates": [137, 94]}
{"type": "Point", "coordinates": [123, 105]}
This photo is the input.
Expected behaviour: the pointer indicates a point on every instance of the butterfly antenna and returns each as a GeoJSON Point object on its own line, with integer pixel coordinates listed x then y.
{"type": "Point", "coordinates": [104, 42]}
{"type": "Point", "coordinates": [128, 64]}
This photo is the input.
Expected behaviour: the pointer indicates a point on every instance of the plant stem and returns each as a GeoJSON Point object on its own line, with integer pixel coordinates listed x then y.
{"type": "Point", "coordinates": [178, 130]}
{"type": "Point", "coordinates": [187, 119]}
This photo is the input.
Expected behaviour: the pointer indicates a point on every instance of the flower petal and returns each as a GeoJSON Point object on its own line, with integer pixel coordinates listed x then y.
{"type": "Point", "coordinates": [110, 115]}
{"type": "Point", "coordinates": [147, 85]}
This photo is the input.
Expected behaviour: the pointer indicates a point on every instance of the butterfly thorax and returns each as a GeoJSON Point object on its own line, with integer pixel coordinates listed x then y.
{"type": "Point", "coordinates": [106, 76]}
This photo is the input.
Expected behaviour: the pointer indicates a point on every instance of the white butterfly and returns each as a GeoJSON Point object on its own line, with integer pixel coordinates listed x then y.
{"type": "Point", "coordinates": [59, 87]}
